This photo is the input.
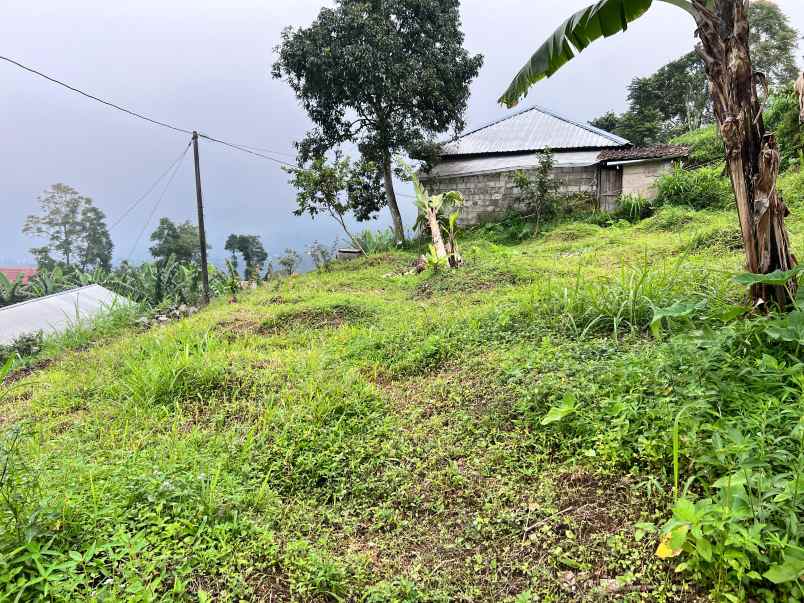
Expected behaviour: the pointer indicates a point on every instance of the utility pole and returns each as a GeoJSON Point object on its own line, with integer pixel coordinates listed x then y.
{"type": "Point", "coordinates": [202, 235]}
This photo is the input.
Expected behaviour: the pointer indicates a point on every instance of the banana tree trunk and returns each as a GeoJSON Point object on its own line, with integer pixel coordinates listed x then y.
{"type": "Point", "coordinates": [752, 155]}
{"type": "Point", "coordinates": [800, 91]}
{"type": "Point", "coordinates": [435, 233]}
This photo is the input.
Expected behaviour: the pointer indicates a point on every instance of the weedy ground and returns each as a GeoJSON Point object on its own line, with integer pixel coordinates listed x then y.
{"type": "Point", "coordinates": [366, 434]}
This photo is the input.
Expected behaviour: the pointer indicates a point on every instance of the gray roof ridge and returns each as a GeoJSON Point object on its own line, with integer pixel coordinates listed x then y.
{"type": "Point", "coordinates": [587, 127]}
{"type": "Point", "coordinates": [51, 295]}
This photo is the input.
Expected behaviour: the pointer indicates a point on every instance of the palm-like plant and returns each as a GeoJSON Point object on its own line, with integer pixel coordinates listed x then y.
{"type": "Point", "coordinates": [11, 292]}
{"type": "Point", "coordinates": [752, 155]}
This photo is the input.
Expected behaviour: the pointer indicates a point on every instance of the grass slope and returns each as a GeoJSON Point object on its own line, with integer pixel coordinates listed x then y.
{"type": "Point", "coordinates": [369, 435]}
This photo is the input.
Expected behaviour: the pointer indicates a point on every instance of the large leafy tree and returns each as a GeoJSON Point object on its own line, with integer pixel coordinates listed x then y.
{"type": "Point", "coordinates": [752, 156]}
{"type": "Point", "coordinates": [177, 240]}
{"type": "Point", "coordinates": [678, 93]}
{"type": "Point", "coordinates": [250, 247]}
{"type": "Point", "coordinates": [389, 75]}
{"type": "Point", "coordinates": [773, 42]}
{"type": "Point", "coordinates": [75, 231]}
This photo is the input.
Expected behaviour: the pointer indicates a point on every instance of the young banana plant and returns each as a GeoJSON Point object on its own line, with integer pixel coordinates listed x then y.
{"type": "Point", "coordinates": [752, 155]}
{"type": "Point", "coordinates": [430, 207]}
{"type": "Point", "coordinates": [10, 291]}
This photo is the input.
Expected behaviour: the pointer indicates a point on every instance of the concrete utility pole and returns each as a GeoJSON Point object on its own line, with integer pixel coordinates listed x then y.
{"type": "Point", "coordinates": [202, 235]}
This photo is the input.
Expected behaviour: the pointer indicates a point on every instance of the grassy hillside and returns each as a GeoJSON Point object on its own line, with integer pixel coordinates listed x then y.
{"type": "Point", "coordinates": [502, 432]}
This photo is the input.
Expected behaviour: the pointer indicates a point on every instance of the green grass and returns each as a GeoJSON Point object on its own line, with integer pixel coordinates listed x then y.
{"type": "Point", "coordinates": [369, 434]}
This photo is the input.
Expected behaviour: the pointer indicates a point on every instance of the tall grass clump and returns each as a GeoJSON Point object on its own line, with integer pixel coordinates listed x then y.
{"type": "Point", "coordinates": [623, 303]}
{"type": "Point", "coordinates": [379, 241]}
{"type": "Point", "coordinates": [702, 188]}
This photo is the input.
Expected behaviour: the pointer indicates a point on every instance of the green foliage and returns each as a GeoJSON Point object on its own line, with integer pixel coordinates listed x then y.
{"type": "Point", "coordinates": [634, 207]}
{"type": "Point", "coordinates": [23, 346]}
{"type": "Point", "coordinates": [338, 189]}
{"type": "Point", "coordinates": [706, 146]}
{"type": "Point", "coordinates": [640, 127]}
{"type": "Point", "coordinates": [773, 42]}
{"type": "Point", "coordinates": [11, 292]}
{"type": "Point", "coordinates": [675, 99]}
{"type": "Point", "coordinates": [669, 219]}
{"type": "Point", "coordinates": [179, 241]}
{"type": "Point", "coordinates": [702, 188]}
{"type": "Point", "coordinates": [604, 18]}
{"type": "Point", "coordinates": [379, 241]}
{"type": "Point", "coordinates": [782, 118]}
{"type": "Point", "coordinates": [322, 256]}
{"type": "Point", "coordinates": [538, 190]}
{"type": "Point", "coordinates": [157, 284]}
{"type": "Point", "coordinates": [74, 228]}
{"type": "Point", "coordinates": [341, 65]}
{"type": "Point", "coordinates": [290, 261]}
{"type": "Point", "coordinates": [717, 239]}
{"type": "Point", "coordinates": [333, 434]}
{"type": "Point", "coordinates": [254, 255]}
{"type": "Point", "coordinates": [791, 185]}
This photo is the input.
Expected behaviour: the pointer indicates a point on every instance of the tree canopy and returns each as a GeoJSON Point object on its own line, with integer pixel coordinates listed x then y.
{"type": "Point", "coordinates": [75, 231]}
{"type": "Point", "coordinates": [675, 99]}
{"type": "Point", "coordinates": [250, 247]}
{"type": "Point", "coordinates": [338, 188]}
{"type": "Point", "coordinates": [177, 240]}
{"type": "Point", "coordinates": [388, 75]}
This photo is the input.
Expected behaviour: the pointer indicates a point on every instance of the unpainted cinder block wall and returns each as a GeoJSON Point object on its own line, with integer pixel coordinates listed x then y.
{"type": "Point", "coordinates": [640, 178]}
{"type": "Point", "coordinates": [490, 196]}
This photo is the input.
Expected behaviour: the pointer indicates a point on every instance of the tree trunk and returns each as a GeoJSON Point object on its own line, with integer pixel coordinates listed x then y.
{"type": "Point", "coordinates": [435, 233]}
{"type": "Point", "coordinates": [752, 155]}
{"type": "Point", "coordinates": [399, 229]}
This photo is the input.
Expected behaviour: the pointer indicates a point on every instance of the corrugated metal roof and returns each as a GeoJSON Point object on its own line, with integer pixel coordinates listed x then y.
{"type": "Point", "coordinates": [56, 313]}
{"type": "Point", "coordinates": [533, 129]}
{"type": "Point", "coordinates": [505, 163]}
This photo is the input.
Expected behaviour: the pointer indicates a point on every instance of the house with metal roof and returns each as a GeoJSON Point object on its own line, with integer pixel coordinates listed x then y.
{"type": "Point", "coordinates": [481, 163]}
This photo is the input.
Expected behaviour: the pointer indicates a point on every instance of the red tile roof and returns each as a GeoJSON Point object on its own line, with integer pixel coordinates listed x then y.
{"type": "Point", "coordinates": [659, 151]}
{"type": "Point", "coordinates": [12, 273]}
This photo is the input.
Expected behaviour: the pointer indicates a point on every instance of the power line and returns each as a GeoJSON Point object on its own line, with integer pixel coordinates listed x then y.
{"type": "Point", "coordinates": [158, 202]}
{"type": "Point", "coordinates": [100, 100]}
{"type": "Point", "coordinates": [271, 151]}
{"type": "Point", "coordinates": [243, 148]}
{"type": "Point", "coordinates": [150, 189]}
{"type": "Point", "coordinates": [246, 150]}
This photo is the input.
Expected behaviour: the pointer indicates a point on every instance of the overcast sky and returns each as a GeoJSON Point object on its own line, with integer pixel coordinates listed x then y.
{"type": "Point", "coordinates": [205, 65]}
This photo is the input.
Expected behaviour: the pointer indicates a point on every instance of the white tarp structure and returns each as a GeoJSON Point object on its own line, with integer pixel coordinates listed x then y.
{"type": "Point", "coordinates": [56, 313]}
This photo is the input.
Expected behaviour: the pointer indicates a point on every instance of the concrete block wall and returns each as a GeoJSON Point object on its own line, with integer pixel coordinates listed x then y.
{"type": "Point", "coordinates": [490, 196]}
{"type": "Point", "coordinates": [640, 178]}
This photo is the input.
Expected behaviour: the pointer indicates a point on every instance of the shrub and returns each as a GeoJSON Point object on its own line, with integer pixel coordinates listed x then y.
{"type": "Point", "coordinates": [22, 347]}
{"type": "Point", "coordinates": [706, 145]}
{"type": "Point", "coordinates": [322, 256]}
{"type": "Point", "coordinates": [702, 188]}
{"type": "Point", "coordinates": [539, 190]}
{"type": "Point", "coordinates": [380, 241]}
{"type": "Point", "coordinates": [634, 207]}
{"type": "Point", "coordinates": [782, 118]}
{"type": "Point", "coordinates": [726, 239]}
{"type": "Point", "coordinates": [669, 218]}
{"type": "Point", "coordinates": [289, 261]}
{"type": "Point", "coordinates": [791, 186]}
